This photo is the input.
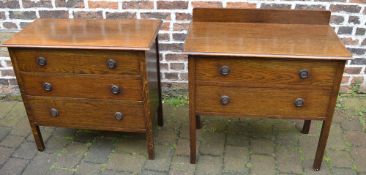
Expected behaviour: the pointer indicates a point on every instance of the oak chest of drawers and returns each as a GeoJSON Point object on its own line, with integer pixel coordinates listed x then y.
{"type": "Point", "coordinates": [264, 63]}
{"type": "Point", "coordinates": [89, 74]}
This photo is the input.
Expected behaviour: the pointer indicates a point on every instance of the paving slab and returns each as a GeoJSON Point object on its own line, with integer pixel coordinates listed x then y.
{"type": "Point", "coordinates": [228, 146]}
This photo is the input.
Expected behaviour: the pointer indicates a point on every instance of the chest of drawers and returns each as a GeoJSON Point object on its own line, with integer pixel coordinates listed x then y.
{"type": "Point", "coordinates": [89, 74]}
{"type": "Point", "coordinates": [264, 63]}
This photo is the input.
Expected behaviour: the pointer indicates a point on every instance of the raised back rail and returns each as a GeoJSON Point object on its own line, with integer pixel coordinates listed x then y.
{"type": "Point", "coordinates": [261, 16]}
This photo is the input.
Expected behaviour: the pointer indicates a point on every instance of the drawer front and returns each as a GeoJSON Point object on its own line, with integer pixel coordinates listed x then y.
{"type": "Point", "coordinates": [260, 72]}
{"type": "Point", "coordinates": [87, 113]}
{"type": "Point", "coordinates": [78, 61]}
{"type": "Point", "coordinates": [281, 103]}
{"type": "Point", "coordinates": [82, 86]}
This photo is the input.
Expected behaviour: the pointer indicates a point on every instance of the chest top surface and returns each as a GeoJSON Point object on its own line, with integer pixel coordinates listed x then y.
{"type": "Point", "coordinates": [275, 39]}
{"type": "Point", "coordinates": [116, 34]}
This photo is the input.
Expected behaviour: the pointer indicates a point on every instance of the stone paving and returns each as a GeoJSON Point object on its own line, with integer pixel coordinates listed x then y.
{"type": "Point", "coordinates": [226, 146]}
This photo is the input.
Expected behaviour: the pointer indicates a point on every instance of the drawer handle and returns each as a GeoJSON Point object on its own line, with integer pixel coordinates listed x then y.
{"type": "Point", "coordinates": [41, 61]}
{"type": "Point", "coordinates": [47, 86]}
{"type": "Point", "coordinates": [115, 89]}
{"type": "Point", "coordinates": [118, 115]}
{"type": "Point", "coordinates": [225, 100]}
{"type": "Point", "coordinates": [54, 112]}
{"type": "Point", "coordinates": [111, 63]}
{"type": "Point", "coordinates": [225, 70]}
{"type": "Point", "coordinates": [304, 74]}
{"type": "Point", "coordinates": [299, 102]}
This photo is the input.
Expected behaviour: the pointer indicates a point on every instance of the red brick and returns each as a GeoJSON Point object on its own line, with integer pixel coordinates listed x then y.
{"type": "Point", "coordinates": [117, 15]}
{"type": "Point", "coordinates": [309, 7]}
{"type": "Point", "coordinates": [9, 25]}
{"type": "Point", "coordinates": [345, 8]}
{"type": "Point", "coordinates": [13, 82]}
{"type": "Point", "coordinates": [354, 20]}
{"type": "Point", "coordinates": [183, 76]}
{"type": "Point", "coordinates": [177, 66]}
{"type": "Point", "coordinates": [360, 31]}
{"type": "Point", "coordinates": [165, 26]}
{"type": "Point", "coordinates": [353, 70]}
{"type": "Point", "coordinates": [164, 66]}
{"type": "Point", "coordinates": [171, 76]}
{"type": "Point", "coordinates": [164, 37]}
{"type": "Point", "coordinates": [2, 15]}
{"type": "Point", "coordinates": [172, 4]}
{"type": "Point", "coordinates": [103, 4]}
{"type": "Point", "coordinates": [53, 14]}
{"type": "Point", "coordinates": [88, 15]}
{"type": "Point", "coordinates": [22, 15]}
{"type": "Point", "coordinates": [180, 26]}
{"type": "Point", "coordinates": [70, 3]}
{"type": "Point", "coordinates": [179, 36]}
{"type": "Point", "coordinates": [211, 4]}
{"type": "Point", "coordinates": [240, 5]}
{"type": "Point", "coordinates": [13, 4]}
{"type": "Point", "coordinates": [175, 57]}
{"type": "Point", "coordinates": [183, 16]}
{"type": "Point", "coordinates": [39, 3]}
{"type": "Point", "coordinates": [171, 46]}
{"type": "Point", "coordinates": [363, 42]}
{"type": "Point", "coordinates": [345, 79]}
{"type": "Point", "coordinates": [156, 15]}
{"type": "Point", "coordinates": [275, 6]}
{"type": "Point", "coordinates": [350, 41]}
{"type": "Point", "coordinates": [336, 19]}
{"type": "Point", "coordinates": [138, 5]}
{"type": "Point", "coordinates": [7, 72]}
{"type": "Point", "coordinates": [358, 1]}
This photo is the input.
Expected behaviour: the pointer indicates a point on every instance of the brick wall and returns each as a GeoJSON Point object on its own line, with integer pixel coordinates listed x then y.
{"type": "Point", "coordinates": [348, 20]}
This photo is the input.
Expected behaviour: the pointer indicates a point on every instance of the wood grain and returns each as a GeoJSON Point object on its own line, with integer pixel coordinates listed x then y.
{"type": "Point", "coordinates": [261, 16]}
{"type": "Point", "coordinates": [265, 40]}
{"type": "Point", "coordinates": [263, 102]}
{"type": "Point", "coordinates": [82, 86]}
{"type": "Point", "coordinates": [110, 34]}
{"type": "Point", "coordinates": [79, 61]}
{"type": "Point", "coordinates": [252, 72]}
{"type": "Point", "coordinates": [88, 113]}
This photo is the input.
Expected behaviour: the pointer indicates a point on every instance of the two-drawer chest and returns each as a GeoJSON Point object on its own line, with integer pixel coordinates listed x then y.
{"type": "Point", "coordinates": [89, 74]}
{"type": "Point", "coordinates": [264, 63]}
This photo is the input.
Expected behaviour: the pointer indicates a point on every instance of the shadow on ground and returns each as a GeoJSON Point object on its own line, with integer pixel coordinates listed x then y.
{"type": "Point", "coordinates": [226, 146]}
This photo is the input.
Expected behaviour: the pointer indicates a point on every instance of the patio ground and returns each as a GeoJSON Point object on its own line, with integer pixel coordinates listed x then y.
{"type": "Point", "coordinates": [226, 146]}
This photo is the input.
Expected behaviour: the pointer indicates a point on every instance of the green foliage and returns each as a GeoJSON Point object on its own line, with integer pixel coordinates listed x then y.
{"type": "Point", "coordinates": [340, 103]}
{"type": "Point", "coordinates": [362, 118]}
{"type": "Point", "coordinates": [176, 101]}
{"type": "Point", "coordinates": [355, 87]}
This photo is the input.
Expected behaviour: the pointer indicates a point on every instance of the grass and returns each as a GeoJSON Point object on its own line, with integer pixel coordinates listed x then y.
{"type": "Point", "coordinates": [176, 101]}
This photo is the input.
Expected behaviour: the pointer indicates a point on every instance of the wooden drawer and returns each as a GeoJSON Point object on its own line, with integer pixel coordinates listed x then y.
{"type": "Point", "coordinates": [82, 86]}
{"type": "Point", "coordinates": [279, 103]}
{"type": "Point", "coordinates": [263, 72]}
{"type": "Point", "coordinates": [78, 61]}
{"type": "Point", "coordinates": [87, 113]}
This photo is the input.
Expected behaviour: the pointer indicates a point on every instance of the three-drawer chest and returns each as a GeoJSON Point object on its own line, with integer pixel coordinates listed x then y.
{"type": "Point", "coordinates": [264, 63]}
{"type": "Point", "coordinates": [89, 74]}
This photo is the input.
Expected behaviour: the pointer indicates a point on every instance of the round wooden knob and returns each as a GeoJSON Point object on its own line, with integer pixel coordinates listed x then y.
{"type": "Point", "coordinates": [115, 89]}
{"type": "Point", "coordinates": [299, 102]}
{"type": "Point", "coordinates": [111, 63]}
{"type": "Point", "coordinates": [41, 61]}
{"type": "Point", "coordinates": [304, 73]}
{"type": "Point", "coordinates": [225, 100]}
{"type": "Point", "coordinates": [54, 112]}
{"type": "Point", "coordinates": [224, 70]}
{"type": "Point", "coordinates": [47, 86]}
{"type": "Point", "coordinates": [118, 115]}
